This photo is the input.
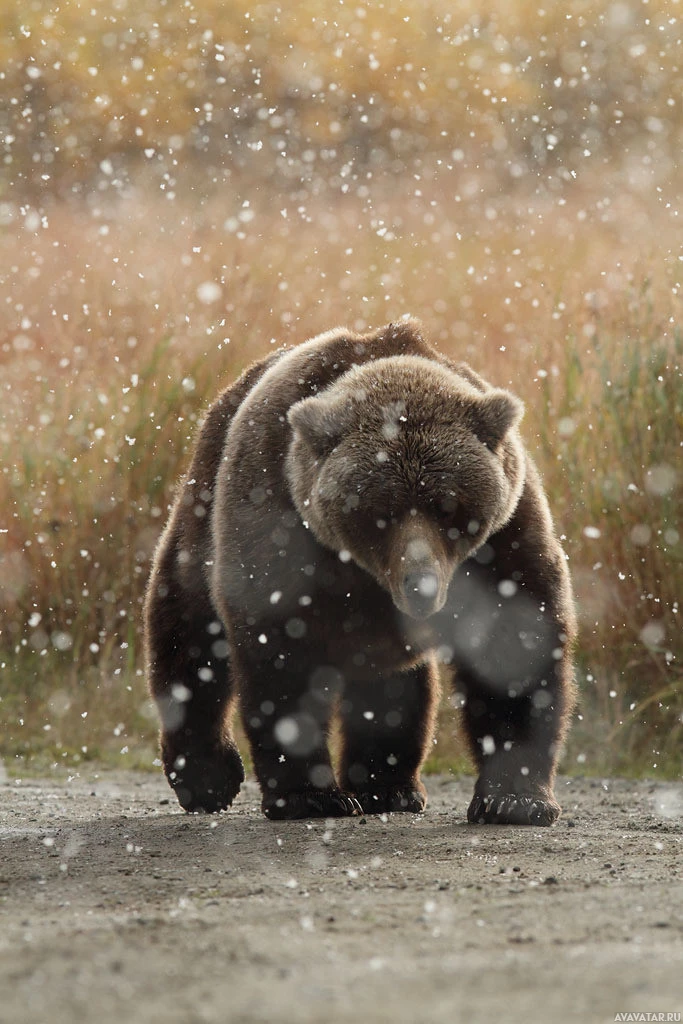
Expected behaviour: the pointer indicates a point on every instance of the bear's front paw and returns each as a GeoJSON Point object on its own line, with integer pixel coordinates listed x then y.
{"type": "Point", "coordinates": [311, 803]}
{"type": "Point", "coordinates": [513, 809]}
{"type": "Point", "coordinates": [207, 781]}
{"type": "Point", "coordinates": [411, 799]}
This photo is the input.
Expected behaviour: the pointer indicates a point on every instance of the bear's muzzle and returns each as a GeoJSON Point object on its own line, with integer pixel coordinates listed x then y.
{"type": "Point", "coordinates": [421, 593]}
{"type": "Point", "coordinates": [419, 575]}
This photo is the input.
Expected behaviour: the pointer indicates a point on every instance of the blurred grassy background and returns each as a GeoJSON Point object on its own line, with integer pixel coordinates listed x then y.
{"type": "Point", "coordinates": [186, 185]}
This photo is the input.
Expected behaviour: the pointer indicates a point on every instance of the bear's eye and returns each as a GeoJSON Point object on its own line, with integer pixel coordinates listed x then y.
{"type": "Point", "coordinates": [445, 510]}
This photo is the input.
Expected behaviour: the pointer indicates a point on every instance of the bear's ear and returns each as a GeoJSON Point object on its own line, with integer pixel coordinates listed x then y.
{"type": "Point", "coordinates": [497, 412]}
{"type": "Point", "coordinates": [321, 421]}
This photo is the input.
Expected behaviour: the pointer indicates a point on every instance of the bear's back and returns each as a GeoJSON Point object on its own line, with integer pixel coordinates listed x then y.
{"type": "Point", "coordinates": [259, 431]}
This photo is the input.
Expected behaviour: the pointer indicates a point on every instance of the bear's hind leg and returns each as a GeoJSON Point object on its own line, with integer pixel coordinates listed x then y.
{"type": "Point", "coordinates": [387, 726]}
{"type": "Point", "coordinates": [190, 679]}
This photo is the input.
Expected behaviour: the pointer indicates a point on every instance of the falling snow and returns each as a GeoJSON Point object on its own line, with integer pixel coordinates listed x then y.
{"type": "Point", "coordinates": [182, 194]}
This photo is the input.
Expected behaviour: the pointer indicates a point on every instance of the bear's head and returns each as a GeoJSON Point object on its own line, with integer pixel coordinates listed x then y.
{"type": "Point", "coordinates": [405, 467]}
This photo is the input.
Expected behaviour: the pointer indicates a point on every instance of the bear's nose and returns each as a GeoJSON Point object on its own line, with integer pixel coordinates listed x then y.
{"type": "Point", "coordinates": [421, 590]}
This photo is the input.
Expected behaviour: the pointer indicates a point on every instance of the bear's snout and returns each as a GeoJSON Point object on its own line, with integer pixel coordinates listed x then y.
{"type": "Point", "coordinates": [419, 577]}
{"type": "Point", "coordinates": [421, 593]}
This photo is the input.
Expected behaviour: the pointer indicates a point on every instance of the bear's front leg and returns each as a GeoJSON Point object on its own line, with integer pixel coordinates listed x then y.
{"type": "Point", "coordinates": [512, 653]}
{"type": "Point", "coordinates": [515, 743]}
{"type": "Point", "coordinates": [387, 727]}
{"type": "Point", "coordinates": [286, 711]}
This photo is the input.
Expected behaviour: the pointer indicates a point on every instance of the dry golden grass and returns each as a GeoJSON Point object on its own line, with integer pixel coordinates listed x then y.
{"type": "Point", "coordinates": [110, 354]}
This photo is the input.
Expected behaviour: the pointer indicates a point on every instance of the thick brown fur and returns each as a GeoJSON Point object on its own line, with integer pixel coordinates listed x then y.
{"type": "Point", "coordinates": [359, 509]}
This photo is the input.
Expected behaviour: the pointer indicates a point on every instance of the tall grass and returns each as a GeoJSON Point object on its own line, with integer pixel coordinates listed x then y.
{"type": "Point", "coordinates": [616, 484]}
{"type": "Point", "coordinates": [113, 345]}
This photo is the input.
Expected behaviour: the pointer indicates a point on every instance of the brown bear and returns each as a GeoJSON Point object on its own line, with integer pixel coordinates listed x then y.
{"type": "Point", "coordinates": [358, 510]}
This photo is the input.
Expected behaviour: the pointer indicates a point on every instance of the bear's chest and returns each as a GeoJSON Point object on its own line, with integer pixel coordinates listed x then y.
{"type": "Point", "coordinates": [319, 610]}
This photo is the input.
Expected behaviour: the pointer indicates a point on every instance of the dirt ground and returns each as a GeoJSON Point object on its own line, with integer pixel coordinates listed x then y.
{"type": "Point", "coordinates": [115, 906]}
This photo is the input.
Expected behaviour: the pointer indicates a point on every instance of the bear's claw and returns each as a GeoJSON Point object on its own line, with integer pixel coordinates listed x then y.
{"type": "Point", "coordinates": [394, 798]}
{"type": "Point", "coordinates": [513, 809]}
{"type": "Point", "coordinates": [314, 803]}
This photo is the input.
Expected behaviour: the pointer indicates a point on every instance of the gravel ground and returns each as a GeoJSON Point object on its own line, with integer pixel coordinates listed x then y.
{"type": "Point", "coordinates": [115, 906]}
